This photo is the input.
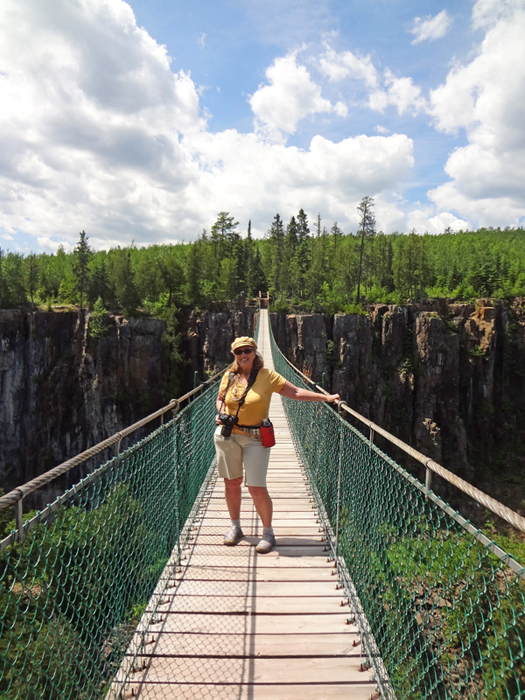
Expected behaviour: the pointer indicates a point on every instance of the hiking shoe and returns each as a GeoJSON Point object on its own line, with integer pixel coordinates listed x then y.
{"type": "Point", "coordinates": [233, 536]}
{"type": "Point", "coordinates": [266, 544]}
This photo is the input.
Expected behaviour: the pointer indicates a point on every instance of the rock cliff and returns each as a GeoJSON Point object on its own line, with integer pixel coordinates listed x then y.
{"type": "Point", "coordinates": [445, 378]}
{"type": "Point", "coordinates": [62, 391]}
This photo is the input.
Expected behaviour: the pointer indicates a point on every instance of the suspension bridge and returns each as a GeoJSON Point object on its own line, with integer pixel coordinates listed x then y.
{"type": "Point", "coordinates": [376, 589]}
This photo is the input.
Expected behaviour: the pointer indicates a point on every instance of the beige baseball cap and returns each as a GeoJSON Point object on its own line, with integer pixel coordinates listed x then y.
{"type": "Point", "coordinates": [244, 342]}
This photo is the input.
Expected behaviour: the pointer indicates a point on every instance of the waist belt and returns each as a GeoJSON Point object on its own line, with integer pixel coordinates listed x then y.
{"type": "Point", "coordinates": [249, 428]}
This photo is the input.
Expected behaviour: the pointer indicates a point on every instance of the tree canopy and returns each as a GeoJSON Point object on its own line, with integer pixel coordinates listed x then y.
{"type": "Point", "coordinates": [327, 270]}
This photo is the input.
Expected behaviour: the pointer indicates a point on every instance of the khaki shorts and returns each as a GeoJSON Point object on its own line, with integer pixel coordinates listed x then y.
{"type": "Point", "coordinates": [233, 451]}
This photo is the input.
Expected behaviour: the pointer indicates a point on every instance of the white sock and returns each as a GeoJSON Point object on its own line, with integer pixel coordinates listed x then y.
{"type": "Point", "coordinates": [236, 523]}
{"type": "Point", "coordinates": [267, 530]}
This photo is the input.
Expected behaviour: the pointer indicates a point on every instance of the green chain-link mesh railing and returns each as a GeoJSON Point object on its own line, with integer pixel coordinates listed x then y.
{"type": "Point", "coordinates": [74, 590]}
{"type": "Point", "coordinates": [440, 615]}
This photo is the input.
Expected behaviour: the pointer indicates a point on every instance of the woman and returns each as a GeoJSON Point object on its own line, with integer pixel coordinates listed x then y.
{"type": "Point", "coordinates": [244, 445]}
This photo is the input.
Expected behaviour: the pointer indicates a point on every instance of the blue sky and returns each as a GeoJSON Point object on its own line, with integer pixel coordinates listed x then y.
{"type": "Point", "coordinates": [142, 120]}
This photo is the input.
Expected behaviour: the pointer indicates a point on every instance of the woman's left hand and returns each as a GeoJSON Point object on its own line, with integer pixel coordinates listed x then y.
{"type": "Point", "coordinates": [333, 397]}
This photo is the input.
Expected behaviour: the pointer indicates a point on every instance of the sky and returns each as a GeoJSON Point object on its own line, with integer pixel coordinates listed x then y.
{"type": "Point", "coordinates": [140, 121]}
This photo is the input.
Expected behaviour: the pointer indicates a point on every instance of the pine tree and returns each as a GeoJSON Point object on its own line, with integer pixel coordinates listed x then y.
{"type": "Point", "coordinates": [124, 277]}
{"type": "Point", "coordinates": [194, 266]}
{"type": "Point", "coordinates": [276, 236]}
{"type": "Point", "coordinates": [248, 260]}
{"type": "Point", "coordinates": [32, 276]}
{"type": "Point", "coordinates": [99, 281]}
{"type": "Point", "coordinates": [303, 253]}
{"type": "Point", "coordinates": [367, 229]}
{"type": "Point", "coordinates": [97, 320]}
{"type": "Point", "coordinates": [259, 283]}
{"type": "Point", "coordinates": [172, 274]}
{"type": "Point", "coordinates": [82, 254]}
{"type": "Point", "coordinates": [337, 234]}
{"type": "Point", "coordinates": [224, 235]}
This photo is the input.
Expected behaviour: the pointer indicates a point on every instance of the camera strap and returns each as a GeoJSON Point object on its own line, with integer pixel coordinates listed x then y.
{"type": "Point", "coordinates": [251, 381]}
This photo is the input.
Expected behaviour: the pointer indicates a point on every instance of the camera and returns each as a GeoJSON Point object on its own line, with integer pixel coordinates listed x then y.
{"type": "Point", "coordinates": [227, 423]}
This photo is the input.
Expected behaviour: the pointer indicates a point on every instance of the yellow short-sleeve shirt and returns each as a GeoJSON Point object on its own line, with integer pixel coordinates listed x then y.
{"type": "Point", "coordinates": [257, 404]}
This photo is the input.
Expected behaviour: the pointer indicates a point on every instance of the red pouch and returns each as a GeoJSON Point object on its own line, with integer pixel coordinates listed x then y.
{"type": "Point", "coordinates": [267, 434]}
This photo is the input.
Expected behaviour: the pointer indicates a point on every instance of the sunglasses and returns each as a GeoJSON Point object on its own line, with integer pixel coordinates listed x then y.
{"type": "Point", "coordinates": [243, 351]}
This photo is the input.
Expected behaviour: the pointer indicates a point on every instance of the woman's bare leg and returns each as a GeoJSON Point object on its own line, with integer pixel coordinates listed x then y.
{"type": "Point", "coordinates": [263, 504]}
{"type": "Point", "coordinates": [232, 492]}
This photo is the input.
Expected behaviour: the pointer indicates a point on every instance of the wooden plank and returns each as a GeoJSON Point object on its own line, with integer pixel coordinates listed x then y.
{"type": "Point", "coordinates": [264, 624]}
{"type": "Point", "coordinates": [289, 520]}
{"type": "Point", "coordinates": [256, 671]}
{"type": "Point", "coordinates": [252, 645]}
{"type": "Point", "coordinates": [250, 540]}
{"type": "Point", "coordinates": [239, 604]}
{"type": "Point", "coordinates": [249, 552]}
{"type": "Point", "coordinates": [257, 588]}
{"type": "Point", "coordinates": [248, 691]}
{"type": "Point", "coordinates": [265, 560]}
{"type": "Point", "coordinates": [259, 573]}
{"type": "Point", "coordinates": [280, 531]}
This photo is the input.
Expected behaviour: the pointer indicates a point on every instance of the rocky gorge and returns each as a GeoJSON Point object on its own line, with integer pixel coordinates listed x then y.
{"type": "Point", "coordinates": [447, 378]}
{"type": "Point", "coordinates": [63, 391]}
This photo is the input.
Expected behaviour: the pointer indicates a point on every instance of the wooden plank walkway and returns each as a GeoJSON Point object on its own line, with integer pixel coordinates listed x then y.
{"type": "Point", "coordinates": [245, 626]}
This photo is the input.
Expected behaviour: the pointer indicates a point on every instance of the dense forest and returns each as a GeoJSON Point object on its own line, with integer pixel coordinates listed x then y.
{"type": "Point", "coordinates": [303, 266]}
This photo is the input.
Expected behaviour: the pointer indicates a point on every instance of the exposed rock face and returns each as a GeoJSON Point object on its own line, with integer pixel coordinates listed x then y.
{"type": "Point", "coordinates": [209, 337]}
{"type": "Point", "coordinates": [61, 391]}
{"type": "Point", "coordinates": [447, 379]}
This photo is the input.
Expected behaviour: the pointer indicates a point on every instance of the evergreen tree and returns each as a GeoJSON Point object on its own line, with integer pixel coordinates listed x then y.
{"type": "Point", "coordinates": [194, 267]}
{"type": "Point", "coordinates": [249, 255]}
{"type": "Point", "coordinates": [13, 283]}
{"type": "Point", "coordinates": [172, 274]}
{"type": "Point", "coordinates": [318, 226]}
{"type": "Point", "coordinates": [97, 320]}
{"type": "Point", "coordinates": [82, 254]}
{"type": "Point", "coordinates": [124, 280]}
{"type": "Point", "coordinates": [367, 229]}
{"type": "Point", "coordinates": [277, 272]}
{"type": "Point", "coordinates": [336, 234]}
{"type": "Point", "coordinates": [303, 255]}
{"type": "Point", "coordinates": [384, 258]}
{"type": "Point", "coordinates": [54, 270]}
{"type": "Point", "coordinates": [32, 276]}
{"type": "Point", "coordinates": [224, 235]}
{"type": "Point", "coordinates": [239, 259]}
{"type": "Point", "coordinates": [98, 280]}
{"type": "Point", "coordinates": [259, 283]}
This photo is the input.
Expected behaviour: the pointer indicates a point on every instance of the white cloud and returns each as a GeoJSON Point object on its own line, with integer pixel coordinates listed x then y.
{"type": "Point", "coordinates": [337, 66]}
{"type": "Point", "coordinates": [486, 97]}
{"type": "Point", "coordinates": [430, 28]}
{"type": "Point", "coordinates": [381, 129]}
{"type": "Point", "coordinates": [488, 12]}
{"type": "Point", "coordinates": [201, 41]}
{"type": "Point", "coordinates": [291, 96]}
{"type": "Point", "coordinates": [98, 133]}
{"type": "Point", "coordinates": [47, 245]}
{"type": "Point", "coordinates": [257, 177]}
{"type": "Point", "coordinates": [399, 92]}
{"type": "Point", "coordinates": [425, 221]}
{"type": "Point", "coordinates": [341, 109]}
